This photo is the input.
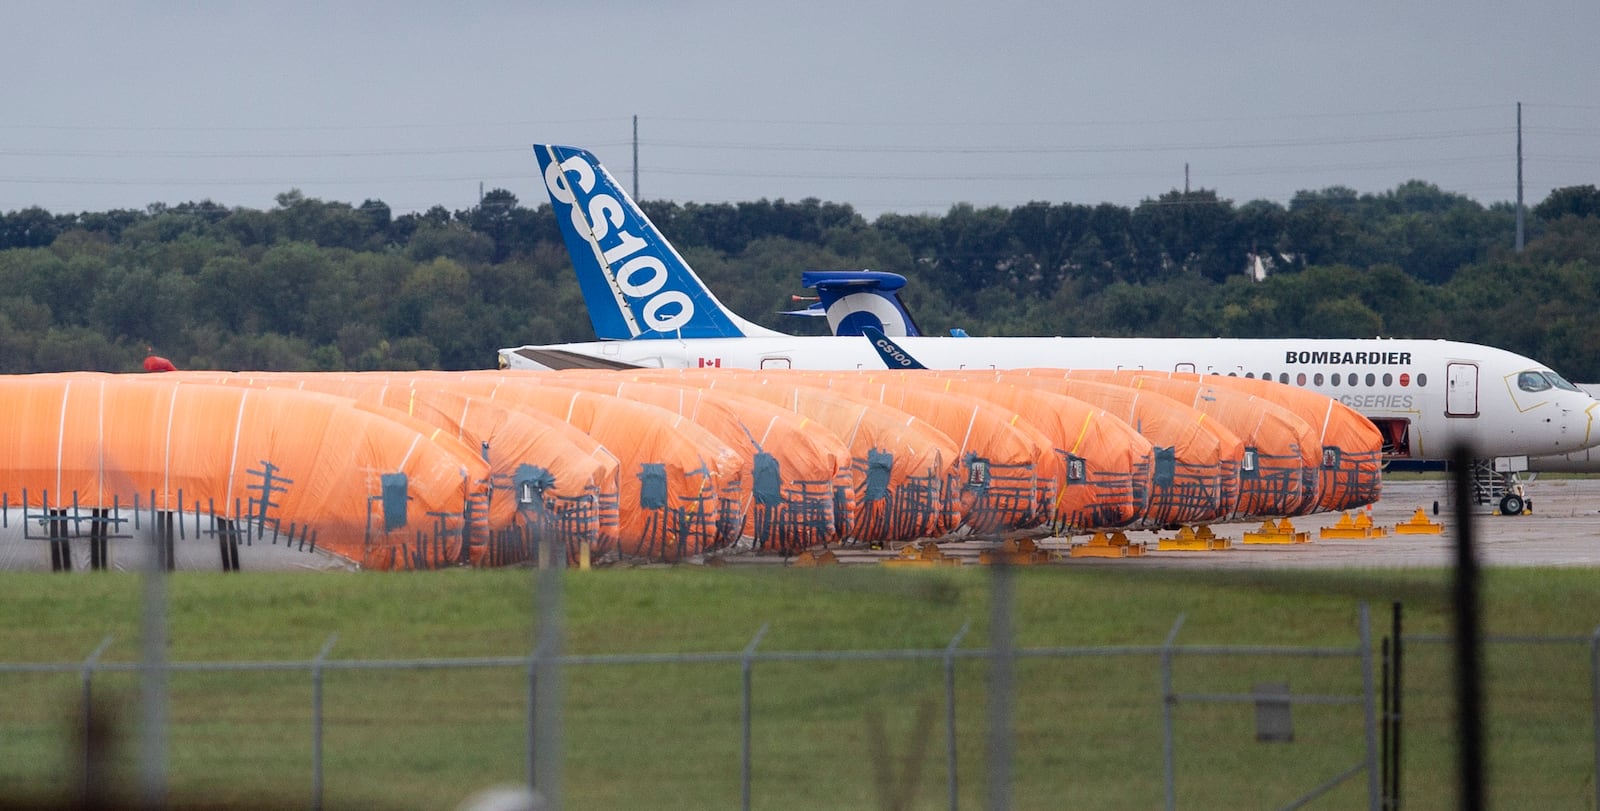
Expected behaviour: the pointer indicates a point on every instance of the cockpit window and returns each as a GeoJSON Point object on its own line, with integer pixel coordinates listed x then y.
{"type": "Point", "coordinates": [1560, 382]}
{"type": "Point", "coordinates": [1532, 381]}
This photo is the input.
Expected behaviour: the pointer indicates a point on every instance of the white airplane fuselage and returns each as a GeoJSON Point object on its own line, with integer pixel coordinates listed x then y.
{"type": "Point", "coordinates": [1429, 396]}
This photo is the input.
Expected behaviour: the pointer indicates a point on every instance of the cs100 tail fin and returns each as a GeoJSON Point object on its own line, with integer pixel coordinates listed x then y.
{"type": "Point", "coordinates": [634, 283]}
{"type": "Point", "coordinates": [892, 354]}
{"type": "Point", "coordinates": [857, 299]}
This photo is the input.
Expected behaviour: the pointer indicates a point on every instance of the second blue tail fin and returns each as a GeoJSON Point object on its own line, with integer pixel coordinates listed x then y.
{"type": "Point", "coordinates": [857, 299]}
{"type": "Point", "coordinates": [893, 356]}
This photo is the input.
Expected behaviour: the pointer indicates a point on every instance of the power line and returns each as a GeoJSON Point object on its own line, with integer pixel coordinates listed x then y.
{"type": "Point", "coordinates": [989, 149]}
{"type": "Point", "coordinates": [270, 154]}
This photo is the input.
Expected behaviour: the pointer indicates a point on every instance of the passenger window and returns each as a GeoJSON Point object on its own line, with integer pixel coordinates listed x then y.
{"type": "Point", "coordinates": [1316, 379]}
{"type": "Point", "coordinates": [1300, 379]}
{"type": "Point", "coordinates": [1334, 381]}
{"type": "Point", "coordinates": [1283, 377]}
{"type": "Point", "coordinates": [1422, 379]}
{"type": "Point", "coordinates": [1388, 379]}
{"type": "Point", "coordinates": [1251, 375]}
{"type": "Point", "coordinates": [1372, 379]}
{"type": "Point", "coordinates": [1532, 381]}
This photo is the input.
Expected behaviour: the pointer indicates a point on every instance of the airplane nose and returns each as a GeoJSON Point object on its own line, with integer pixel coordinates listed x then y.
{"type": "Point", "coordinates": [1580, 425]}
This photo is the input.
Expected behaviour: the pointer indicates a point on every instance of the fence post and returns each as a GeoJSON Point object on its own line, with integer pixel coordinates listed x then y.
{"type": "Point", "coordinates": [950, 711]}
{"type": "Point", "coordinates": [1468, 639]}
{"type": "Point", "coordinates": [1369, 711]}
{"type": "Point", "coordinates": [88, 689]}
{"type": "Point", "coordinates": [1166, 712]}
{"type": "Point", "coordinates": [533, 714]}
{"type": "Point", "coordinates": [92, 774]}
{"type": "Point", "coordinates": [546, 756]}
{"type": "Point", "coordinates": [316, 721]}
{"type": "Point", "coordinates": [1394, 720]}
{"type": "Point", "coordinates": [153, 666]}
{"type": "Point", "coordinates": [1594, 693]}
{"type": "Point", "coordinates": [1002, 680]}
{"type": "Point", "coordinates": [744, 757]}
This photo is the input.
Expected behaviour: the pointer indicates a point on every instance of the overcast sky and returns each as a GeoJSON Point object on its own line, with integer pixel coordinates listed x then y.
{"type": "Point", "coordinates": [904, 107]}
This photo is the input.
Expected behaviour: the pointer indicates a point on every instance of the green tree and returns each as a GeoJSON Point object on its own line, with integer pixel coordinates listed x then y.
{"type": "Point", "coordinates": [249, 227]}
{"type": "Point", "coordinates": [1108, 253]}
{"type": "Point", "coordinates": [142, 307]}
{"type": "Point", "coordinates": [32, 227]}
{"type": "Point", "coordinates": [1321, 225]}
{"type": "Point", "coordinates": [262, 352]}
{"type": "Point", "coordinates": [437, 300]}
{"type": "Point", "coordinates": [451, 240]}
{"type": "Point", "coordinates": [83, 349]}
{"type": "Point", "coordinates": [330, 225]}
{"type": "Point", "coordinates": [977, 250]}
{"type": "Point", "coordinates": [275, 292]}
{"type": "Point", "coordinates": [1187, 232]}
{"type": "Point", "coordinates": [1569, 201]}
{"type": "Point", "coordinates": [1344, 317]}
{"type": "Point", "coordinates": [495, 217]}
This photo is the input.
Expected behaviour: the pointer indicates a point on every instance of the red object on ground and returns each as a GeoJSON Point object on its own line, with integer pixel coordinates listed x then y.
{"type": "Point", "coordinates": [156, 363]}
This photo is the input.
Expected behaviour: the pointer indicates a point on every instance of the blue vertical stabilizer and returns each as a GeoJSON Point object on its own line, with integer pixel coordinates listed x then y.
{"type": "Point", "coordinates": [633, 281]}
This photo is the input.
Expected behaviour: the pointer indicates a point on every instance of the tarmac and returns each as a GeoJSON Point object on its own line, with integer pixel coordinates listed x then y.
{"type": "Point", "coordinates": [1562, 529]}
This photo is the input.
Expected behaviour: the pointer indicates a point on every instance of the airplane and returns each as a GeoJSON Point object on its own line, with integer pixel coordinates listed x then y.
{"type": "Point", "coordinates": [1583, 460]}
{"type": "Point", "coordinates": [650, 310]}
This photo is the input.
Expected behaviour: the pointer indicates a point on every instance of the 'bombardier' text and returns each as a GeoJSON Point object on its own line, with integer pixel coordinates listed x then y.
{"type": "Point", "coordinates": [1368, 358]}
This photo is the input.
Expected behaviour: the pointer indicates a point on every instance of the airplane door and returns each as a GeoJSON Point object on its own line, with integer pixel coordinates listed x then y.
{"type": "Point", "coordinates": [1461, 390]}
{"type": "Point", "coordinates": [1186, 368]}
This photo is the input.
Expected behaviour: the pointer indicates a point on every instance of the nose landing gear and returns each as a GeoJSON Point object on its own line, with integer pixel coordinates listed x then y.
{"type": "Point", "coordinates": [1513, 504]}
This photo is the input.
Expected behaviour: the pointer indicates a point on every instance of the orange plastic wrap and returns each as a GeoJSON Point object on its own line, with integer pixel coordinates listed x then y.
{"type": "Point", "coordinates": [795, 467]}
{"type": "Point", "coordinates": [901, 468]}
{"type": "Point", "coordinates": [1351, 473]}
{"type": "Point", "coordinates": [683, 489]}
{"type": "Point", "coordinates": [1202, 484]}
{"type": "Point", "coordinates": [1000, 453]}
{"type": "Point", "coordinates": [1282, 454]}
{"type": "Point", "coordinates": [1102, 467]}
{"type": "Point", "coordinates": [272, 466]}
{"type": "Point", "coordinates": [574, 477]}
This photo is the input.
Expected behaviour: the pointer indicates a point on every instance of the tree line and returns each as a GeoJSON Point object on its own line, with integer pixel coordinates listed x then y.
{"type": "Point", "coordinates": [321, 285]}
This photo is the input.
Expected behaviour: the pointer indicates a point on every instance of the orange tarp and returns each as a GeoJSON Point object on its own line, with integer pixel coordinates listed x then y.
{"type": "Point", "coordinates": [793, 466]}
{"type": "Point", "coordinates": [901, 467]}
{"type": "Point", "coordinates": [272, 459]}
{"type": "Point", "coordinates": [1352, 447]}
{"type": "Point", "coordinates": [1278, 473]}
{"type": "Point", "coordinates": [1272, 474]}
{"type": "Point", "coordinates": [1000, 453]}
{"type": "Point", "coordinates": [1306, 439]}
{"type": "Point", "coordinates": [1102, 467]}
{"type": "Point", "coordinates": [683, 489]}
{"type": "Point", "coordinates": [1202, 484]}
{"type": "Point", "coordinates": [576, 478]}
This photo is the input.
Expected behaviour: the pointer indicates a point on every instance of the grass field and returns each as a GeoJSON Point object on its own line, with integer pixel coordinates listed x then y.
{"type": "Point", "coordinates": [1088, 730]}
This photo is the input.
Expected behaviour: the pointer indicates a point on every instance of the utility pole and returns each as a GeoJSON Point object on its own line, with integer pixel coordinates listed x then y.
{"type": "Point", "coordinates": [636, 157]}
{"type": "Point", "coordinates": [1519, 177]}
